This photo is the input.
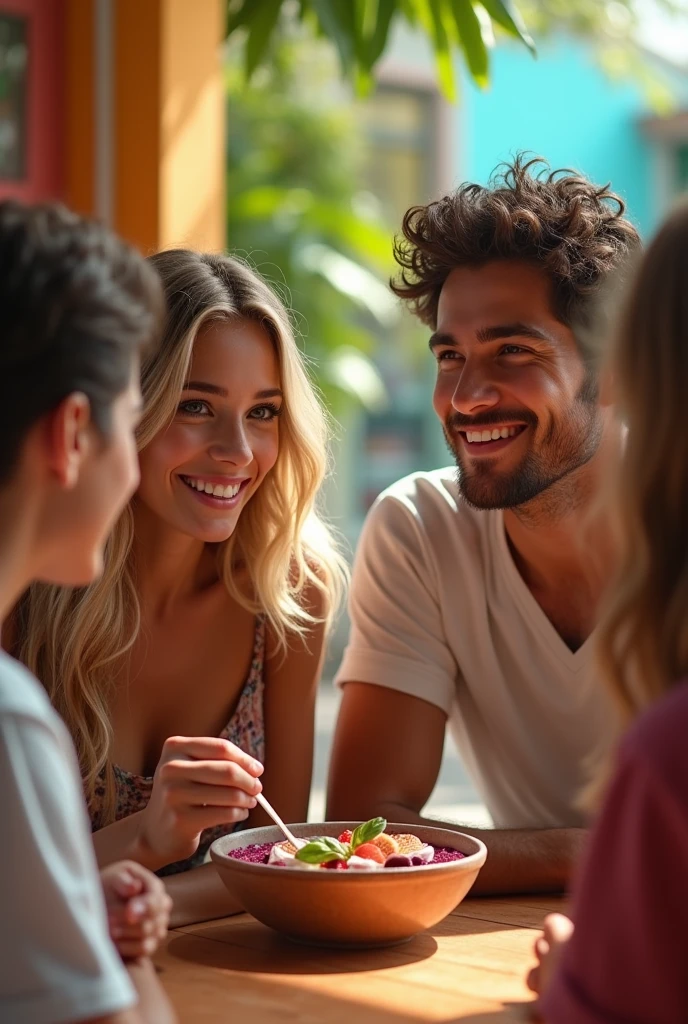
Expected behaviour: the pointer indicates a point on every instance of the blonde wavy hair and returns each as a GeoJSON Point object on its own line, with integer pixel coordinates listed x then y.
{"type": "Point", "coordinates": [643, 635]}
{"type": "Point", "coordinates": [76, 641]}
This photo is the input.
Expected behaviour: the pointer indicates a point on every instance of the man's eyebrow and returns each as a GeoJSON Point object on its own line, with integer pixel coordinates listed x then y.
{"type": "Point", "coordinates": [514, 330]}
{"type": "Point", "coordinates": [438, 339]}
{"type": "Point", "coordinates": [494, 333]}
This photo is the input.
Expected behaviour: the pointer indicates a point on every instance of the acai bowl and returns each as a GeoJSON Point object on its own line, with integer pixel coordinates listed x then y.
{"type": "Point", "coordinates": [353, 906]}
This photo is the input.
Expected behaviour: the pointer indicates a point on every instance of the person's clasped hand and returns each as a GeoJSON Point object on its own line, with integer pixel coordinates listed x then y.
{"type": "Point", "coordinates": [556, 932]}
{"type": "Point", "coordinates": [138, 908]}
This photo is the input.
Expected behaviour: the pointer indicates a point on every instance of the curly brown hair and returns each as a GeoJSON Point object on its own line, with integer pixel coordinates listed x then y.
{"type": "Point", "coordinates": [575, 230]}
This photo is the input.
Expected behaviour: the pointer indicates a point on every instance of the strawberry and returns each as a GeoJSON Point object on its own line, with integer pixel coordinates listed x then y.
{"type": "Point", "coordinates": [370, 852]}
{"type": "Point", "coordinates": [336, 865]}
{"type": "Point", "coordinates": [346, 835]}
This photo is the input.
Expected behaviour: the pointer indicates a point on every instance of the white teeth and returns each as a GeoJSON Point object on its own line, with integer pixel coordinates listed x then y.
{"type": "Point", "coordinates": [473, 436]}
{"type": "Point", "coordinates": [215, 490]}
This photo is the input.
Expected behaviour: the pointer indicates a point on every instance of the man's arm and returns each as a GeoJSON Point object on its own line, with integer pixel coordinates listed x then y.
{"type": "Point", "coordinates": [386, 757]}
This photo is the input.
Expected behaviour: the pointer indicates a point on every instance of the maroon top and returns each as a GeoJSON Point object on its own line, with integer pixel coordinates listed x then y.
{"type": "Point", "coordinates": [627, 962]}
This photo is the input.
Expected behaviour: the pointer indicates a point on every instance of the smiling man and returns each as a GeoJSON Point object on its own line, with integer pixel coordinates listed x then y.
{"type": "Point", "coordinates": [473, 597]}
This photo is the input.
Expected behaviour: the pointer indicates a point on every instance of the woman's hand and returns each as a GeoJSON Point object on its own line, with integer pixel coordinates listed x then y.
{"type": "Point", "coordinates": [138, 908]}
{"type": "Point", "coordinates": [556, 932]}
{"type": "Point", "coordinates": [199, 783]}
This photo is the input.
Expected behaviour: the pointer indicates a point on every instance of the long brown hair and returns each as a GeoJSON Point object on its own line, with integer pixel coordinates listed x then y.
{"type": "Point", "coordinates": [643, 639]}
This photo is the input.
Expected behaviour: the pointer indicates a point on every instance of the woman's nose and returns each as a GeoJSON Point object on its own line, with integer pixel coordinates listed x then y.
{"type": "Point", "coordinates": [232, 447]}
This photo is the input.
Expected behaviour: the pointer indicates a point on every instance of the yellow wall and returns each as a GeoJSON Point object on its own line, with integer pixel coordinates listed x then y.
{"type": "Point", "coordinates": [137, 121]}
{"type": "Point", "coordinates": [169, 117]}
{"type": "Point", "coordinates": [192, 144]}
{"type": "Point", "coordinates": [168, 120]}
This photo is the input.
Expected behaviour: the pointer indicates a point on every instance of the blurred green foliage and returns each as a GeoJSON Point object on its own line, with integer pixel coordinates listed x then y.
{"type": "Point", "coordinates": [298, 211]}
{"type": "Point", "coordinates": [360, 31]}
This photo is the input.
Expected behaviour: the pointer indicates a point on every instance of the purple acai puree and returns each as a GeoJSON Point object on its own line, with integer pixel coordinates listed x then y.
{"type": "Point", "coordinates": [259, 853]}
{"type": "Point", "coordinates": [444, 854]}
{"type": "Point", "coordinates": [254, 854]}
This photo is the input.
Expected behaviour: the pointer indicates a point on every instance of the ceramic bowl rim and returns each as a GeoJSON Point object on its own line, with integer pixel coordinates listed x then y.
{"type": "Point", "coordinates": [467, 862]}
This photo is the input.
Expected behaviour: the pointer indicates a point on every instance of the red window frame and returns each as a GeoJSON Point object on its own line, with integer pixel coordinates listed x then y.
{"type": "Point", "coordinates": [45, 101]}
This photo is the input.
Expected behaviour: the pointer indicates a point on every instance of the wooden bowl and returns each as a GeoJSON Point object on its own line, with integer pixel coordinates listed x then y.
{"type": "Point", "coordinates": [349, 908]}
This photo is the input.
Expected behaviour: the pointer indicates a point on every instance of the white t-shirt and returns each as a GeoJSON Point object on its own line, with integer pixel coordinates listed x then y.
{"type": "Point", "coordinates": [440, 611]}
{"type": "Point", "coordinates": [57, 961]}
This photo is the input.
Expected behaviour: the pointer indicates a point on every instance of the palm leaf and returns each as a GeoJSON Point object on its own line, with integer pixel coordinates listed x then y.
{"type": "Point", "coordinates": [470, 39]}
{"type": "Point", "coordinates": [359, 30]}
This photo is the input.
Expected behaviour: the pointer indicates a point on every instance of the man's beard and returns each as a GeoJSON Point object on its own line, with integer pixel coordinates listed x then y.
{"type": "Point", "coordinates": [568, 444]}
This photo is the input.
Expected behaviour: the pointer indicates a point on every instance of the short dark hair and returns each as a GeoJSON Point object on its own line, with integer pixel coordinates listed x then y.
{"type": "Point", "coordinates": [557, 220]}
{"type": "Point", "coordinates": [76, 304]}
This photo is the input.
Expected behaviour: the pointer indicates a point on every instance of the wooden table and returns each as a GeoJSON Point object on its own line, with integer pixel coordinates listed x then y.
{"type": "Point", "coordinates": [470, 968]}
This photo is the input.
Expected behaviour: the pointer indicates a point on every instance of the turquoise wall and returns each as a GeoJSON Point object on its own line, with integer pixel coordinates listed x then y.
{"type": "Point", "coordinates": [563, 107]}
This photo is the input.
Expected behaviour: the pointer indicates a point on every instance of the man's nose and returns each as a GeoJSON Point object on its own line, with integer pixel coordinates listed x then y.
{"type": "Point", "coordinates": [475, 391]}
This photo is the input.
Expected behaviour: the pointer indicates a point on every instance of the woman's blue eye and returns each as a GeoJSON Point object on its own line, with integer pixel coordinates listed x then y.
{"type": "Point", "coordinates": [193, 407]}
{"type": "Point", "coordinates": [265, 412]}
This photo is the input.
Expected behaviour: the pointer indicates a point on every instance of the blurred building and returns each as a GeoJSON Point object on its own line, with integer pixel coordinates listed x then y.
{"type": "Point", "coordinates": [116, 107]}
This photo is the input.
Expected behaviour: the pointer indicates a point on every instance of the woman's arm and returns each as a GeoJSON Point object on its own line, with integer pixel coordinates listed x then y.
{"type": "Point", "coordinates": [291, 687]}
{"type": "Point", "coordinates": [122, 841]}
{"type": "Point", "coordinates": [199, 895]}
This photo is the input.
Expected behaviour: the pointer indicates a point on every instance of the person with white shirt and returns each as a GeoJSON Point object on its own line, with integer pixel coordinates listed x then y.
{"type": "Point", "coordinates": [76, 305]}
{"type": "Point", "coordinates": [474, 590]}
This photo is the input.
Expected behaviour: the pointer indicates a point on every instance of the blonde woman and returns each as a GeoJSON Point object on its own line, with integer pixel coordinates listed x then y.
{"type": "Point", "coordinates": [187, 674]}
{"type": "Point", "coordinates": [626, 958]}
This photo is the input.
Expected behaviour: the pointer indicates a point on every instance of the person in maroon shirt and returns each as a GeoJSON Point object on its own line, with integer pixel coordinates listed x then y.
{"type": "Point", "coordinates": [623, 959]}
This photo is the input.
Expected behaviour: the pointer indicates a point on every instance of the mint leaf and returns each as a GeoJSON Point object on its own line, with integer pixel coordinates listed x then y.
{"type": "Point", "coordinates": [367, 831]}
{"type": "Point", "coordinates": [320, 851]}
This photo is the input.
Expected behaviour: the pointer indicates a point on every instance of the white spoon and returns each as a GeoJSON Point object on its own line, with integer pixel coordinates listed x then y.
{"type": "Point", "coordinates": [296, 843]}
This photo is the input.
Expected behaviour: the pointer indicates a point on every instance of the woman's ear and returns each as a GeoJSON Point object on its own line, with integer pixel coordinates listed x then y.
{"type": "Point", "coordinates": [69, 439]}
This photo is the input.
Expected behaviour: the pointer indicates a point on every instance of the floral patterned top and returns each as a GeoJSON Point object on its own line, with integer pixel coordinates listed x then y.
{"type": "Point", "coordinates": [246, 728]}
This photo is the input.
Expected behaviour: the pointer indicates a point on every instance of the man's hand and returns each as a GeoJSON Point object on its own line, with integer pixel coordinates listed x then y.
{"type": "Point", "coordinates": [557, 930]}
{"type": "Point", "coordinates": [138, 908]}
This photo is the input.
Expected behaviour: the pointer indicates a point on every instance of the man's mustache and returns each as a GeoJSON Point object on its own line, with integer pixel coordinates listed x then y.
{"type": "Point", "coordinates": [496, 418]}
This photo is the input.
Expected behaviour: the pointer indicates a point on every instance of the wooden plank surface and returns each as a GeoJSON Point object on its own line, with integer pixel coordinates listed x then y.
{"type": "Point", "coordinates": [470, 968]}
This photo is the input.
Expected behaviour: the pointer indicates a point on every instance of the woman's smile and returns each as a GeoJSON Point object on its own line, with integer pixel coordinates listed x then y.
{"type": "Point", "coordinates": [217, 491]}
